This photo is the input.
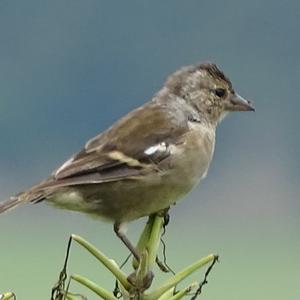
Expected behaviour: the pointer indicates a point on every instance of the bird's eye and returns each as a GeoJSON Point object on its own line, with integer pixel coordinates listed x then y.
{"type": "Point", "coordinates": [220, 92]}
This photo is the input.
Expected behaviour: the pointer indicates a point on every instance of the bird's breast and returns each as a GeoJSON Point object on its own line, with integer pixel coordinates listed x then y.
{"type": "Point", "coordinates": [191, 158]}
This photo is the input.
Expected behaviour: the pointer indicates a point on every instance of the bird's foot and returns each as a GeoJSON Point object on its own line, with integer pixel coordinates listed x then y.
{"type": "Point", "coordinates": [141, 284]}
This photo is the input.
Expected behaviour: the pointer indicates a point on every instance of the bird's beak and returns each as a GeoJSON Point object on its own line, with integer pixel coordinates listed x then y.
{"type": "Point", "coordinates": [238, 103]}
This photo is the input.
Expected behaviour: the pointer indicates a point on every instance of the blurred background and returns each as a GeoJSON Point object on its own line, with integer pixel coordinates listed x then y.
{"type": "Point", "coordinates": [70, 68]}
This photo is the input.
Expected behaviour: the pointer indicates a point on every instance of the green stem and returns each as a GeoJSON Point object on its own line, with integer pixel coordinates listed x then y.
{"type": "Point", "coordinates": [179, 277]}
{"type": "Point", "coordinates": [94, 287]}
{"type": "Point", "coordinates": [183, 293]}
{"type": "Point", "coordinates": [8, 296]}
{"type": "Point", "coordinates": [143, 269]}
{"type": "Point", "coordinates": [108, 263]}
{"type": "Point", "coordinates": [167, 295]}
{"type": "Point", "coordinates": [154, 239]}
{"type": "Point", "coordinates": [143, 240]}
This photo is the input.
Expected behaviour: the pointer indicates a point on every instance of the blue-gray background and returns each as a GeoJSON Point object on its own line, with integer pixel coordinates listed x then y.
{"type": "Point", "coordinates": [69, 68]}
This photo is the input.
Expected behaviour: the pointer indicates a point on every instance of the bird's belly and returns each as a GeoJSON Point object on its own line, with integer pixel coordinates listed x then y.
{"type": "Point", "coordinates": [120, 201]}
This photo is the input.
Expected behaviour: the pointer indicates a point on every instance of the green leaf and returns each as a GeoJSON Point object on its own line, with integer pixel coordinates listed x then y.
{"type": "Point", "coordinates": [108, 263]}
{"type": "Point", "coordinates": [94, 287]}
{"type": "Point", "coordinates": [179, 277]}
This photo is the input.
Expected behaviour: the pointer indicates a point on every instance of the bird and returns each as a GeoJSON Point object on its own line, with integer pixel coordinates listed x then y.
{"type": "Point", "coordinates": [148, 159]}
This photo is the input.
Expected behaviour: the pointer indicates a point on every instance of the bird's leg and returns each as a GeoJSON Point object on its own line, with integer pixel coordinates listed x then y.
{"type": "Point", "coordinates": [125, 240]}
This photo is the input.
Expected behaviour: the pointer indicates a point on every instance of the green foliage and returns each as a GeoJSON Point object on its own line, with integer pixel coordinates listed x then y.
{"type": "Point", "coordinates": [137, 285]}
{"type": "Point", "coordinates": [8, 296]}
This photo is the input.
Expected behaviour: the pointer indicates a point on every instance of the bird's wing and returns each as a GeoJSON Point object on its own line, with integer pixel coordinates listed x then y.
{"type": "Point", "coordinates": [132, 147]}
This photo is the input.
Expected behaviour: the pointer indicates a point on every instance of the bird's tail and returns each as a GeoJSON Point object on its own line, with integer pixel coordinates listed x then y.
{"type": "Point", "coordinates": [11, 203]}
{"type": "Point", "coordinates": [34, 194]}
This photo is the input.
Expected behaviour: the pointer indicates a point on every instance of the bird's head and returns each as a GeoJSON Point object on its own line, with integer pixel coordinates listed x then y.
{"type": "Point", "coordinates": [208, 90]}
